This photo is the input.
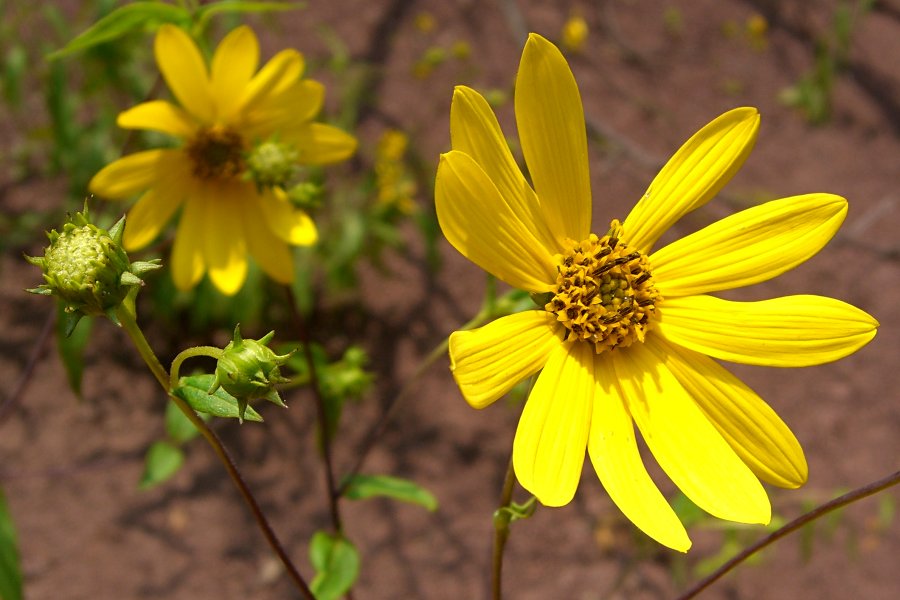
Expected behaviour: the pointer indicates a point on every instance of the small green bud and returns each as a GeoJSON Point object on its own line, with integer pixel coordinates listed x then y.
{"type": "Point", "coordinates": [249, 370]}
{"type": "Point", "coordinates": [306, 195]}
{"type": "Point", "coordinates": [272, 164]}
{"type": "Point", "coordinates": [86, 268]}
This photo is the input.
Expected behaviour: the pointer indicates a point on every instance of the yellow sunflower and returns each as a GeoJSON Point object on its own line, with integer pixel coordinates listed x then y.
{"type": "Point", "coordinates": [626, 332]}
{"type": "Point", "coordinates": [225, 110]}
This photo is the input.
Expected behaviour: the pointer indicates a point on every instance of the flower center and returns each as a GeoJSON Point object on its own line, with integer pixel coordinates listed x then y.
{"type": "Point", "coordinates": [604, 292]}
{"type": "Point", "coordinates": [217, 153]}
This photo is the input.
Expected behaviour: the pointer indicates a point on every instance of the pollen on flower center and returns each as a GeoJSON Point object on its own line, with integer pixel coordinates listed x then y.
{"type": "Point", "coordinates": [216, 153]}
{"type": "Point", "coordinates": [604, 292]}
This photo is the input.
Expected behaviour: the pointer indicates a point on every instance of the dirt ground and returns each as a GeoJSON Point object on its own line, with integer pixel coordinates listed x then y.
{"type": "Point", "coordinates": [650, 75]}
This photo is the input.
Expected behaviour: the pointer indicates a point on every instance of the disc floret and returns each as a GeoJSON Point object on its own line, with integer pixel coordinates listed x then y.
{"type": "Point", "coordinates": [604, 292]}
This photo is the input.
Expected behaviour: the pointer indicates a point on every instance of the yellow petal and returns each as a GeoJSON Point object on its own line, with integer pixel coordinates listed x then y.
{"type": "Point", "coordinates": [288, 111]}
{"type": "Point", "coordinates": [550, 443]}
{"type": "Point", "coordinates": [158, 115]}
{"type": "Point", "coordinates": [224, 242]}
{"type": "Point", "coordinates": [281, 72]}
{"type": "Point", "coordinates": [614, 453]}
{"type": "Point", "coordinates": [696, 173]}
{"type": "Point", "coordinates": [487, 362]}
{"type": "Point", "coordinates": [183, 68]}
{"type": "Point", "coordinates": [273, 255]}
{"type": "Point", "coordinates": [292, 225]}
{"type": "Point", "coordinates": [479, 223]}
{"type": "Point", "coordinates": [749, 425]}
{"type": "Point", "coordinates": [187, 252]}
{"type": "Point", "coordinates": [233, 65]}
{"type": "Point", "coordinates": [133, 173]}
{"type": "Point", "coordinates": [683, 441]}
{"type": "Point", "coordinates": [550, 118]}
{"type": "Point", "coordinates": [748, 247]}
{"type": "Point", "coordinates": [792, 331]}
{"type": "Point", "coordinates": [475, 131]}
{"type": "Point", "coordinates": [150, 214]}
{"type": "Point", "coordinates": [320, 144]}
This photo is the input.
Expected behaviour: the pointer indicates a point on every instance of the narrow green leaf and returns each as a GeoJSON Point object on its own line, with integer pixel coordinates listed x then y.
{"type": "Point", "coordinates": [360, 487]}
{"type": "Point", "coordinates": [121, 21]}
{"type": "Point", "coordinates": [10, 570]}
{"type": "Point", "coordinates": [336, 562]}
{"type": "Point", "coordinates": [178, 426]}
{"type": "Point", "coordinates": [220, 403]}
{"type": "Point", "coordinates": [71, 348]}
{"type": "Point", "coordinates": [161, 462]}
{"type": "Point", "coordinates": [238, 6]}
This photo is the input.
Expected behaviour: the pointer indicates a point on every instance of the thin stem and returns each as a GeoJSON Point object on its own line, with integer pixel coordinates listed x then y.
{"type": "Point", "coordinates": [37, 351]}
{"type": "Point", "coordinates": [210, 351]}
{"type": "Point", "coordinates": [321, 414]}
{"type": "Point", "coordinates": [393, 406]}
{"type": "Point", "coordinates": [126, 316]}
{"type": "Point", "coordinates": [832, 505]}
{"type": "Point", "coordinates": [501, 532]}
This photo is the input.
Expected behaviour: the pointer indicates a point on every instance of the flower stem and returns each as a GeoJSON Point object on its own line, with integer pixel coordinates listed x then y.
{"type": "Point", "coordinates": [126, 315]}
{"type": "Point", "coordinates": [821, 510]}
{"type": "Point", "coordinates": [321, 414]}
{"type": "Point", "coordinates": [210, 351]}
{"type": "Point", "coordinates": [501, 532]}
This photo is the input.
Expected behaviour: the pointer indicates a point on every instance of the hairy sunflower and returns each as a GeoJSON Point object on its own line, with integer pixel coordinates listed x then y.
{"type": "Point", "coordinates": [626, 332]}
{"type": "Point", "coordinates": [225, 111]}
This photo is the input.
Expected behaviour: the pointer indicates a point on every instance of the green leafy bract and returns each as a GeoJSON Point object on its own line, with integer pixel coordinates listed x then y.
{"type": "Point", "coordinates": [360, 487]}
{"type": "Point", "coordinates": [238, 6]}
{"type": "Point", "coordinates": [220, 403]}
{"type": "Point", "coordinates": [71, 348]}
{"type": "Point", "coordinates": [178, 427]}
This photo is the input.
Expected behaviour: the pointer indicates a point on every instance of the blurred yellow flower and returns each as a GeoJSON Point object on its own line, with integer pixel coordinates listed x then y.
{"type": "Point", "coordinates": [626, 332]}
{"type": "Point", "coordinates": [396, 187]}
{"type": "Point", "coordinates": [225, 110]}
{"type": "Point", "coordinates": [574, 33]}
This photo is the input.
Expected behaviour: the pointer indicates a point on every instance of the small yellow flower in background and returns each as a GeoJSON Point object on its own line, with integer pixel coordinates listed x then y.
{"type": "Point", "coordinates": [225, 111]}
{"type": "Point", "coordinates": [626, 332]}
{"type": "Point", "coordinates": [757, 29]}
{"type": "Point", "coordinates": [395, 186]}
{"type": "Point", "coordinates": [425, 22]}
{"type": "Point", "coordinates": [574, 33]}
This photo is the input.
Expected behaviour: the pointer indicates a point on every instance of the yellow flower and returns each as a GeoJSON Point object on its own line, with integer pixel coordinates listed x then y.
{"type": "Point", "coordinates": [225, 110]}
{"type": "Point", "coordinates": [627, 332]}
{"type": "Point", "coordinates": [396, 187]}
{"type": "Point", "coordinates": [574, 33]}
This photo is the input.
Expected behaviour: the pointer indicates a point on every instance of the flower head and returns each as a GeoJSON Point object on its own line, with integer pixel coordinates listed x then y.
{"type": "Point", "coordinates": [86, 268]}
{"type": "Point", "coordinates": [249, 370]}
{"type": "Point", "coordinates": [625, 333]}
{"type": "Point", "coordinates": [237, 127]}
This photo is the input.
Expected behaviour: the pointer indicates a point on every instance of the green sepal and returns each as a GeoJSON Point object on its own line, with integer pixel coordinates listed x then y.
{"type": "Point", "coordinates": [129, 278]}
{"type": "Point", "coordinates": [193, 390]}
{"type": "Point", "coordinates": [116, 231]}
{"type": "Point", "coordinates": [68, 320]}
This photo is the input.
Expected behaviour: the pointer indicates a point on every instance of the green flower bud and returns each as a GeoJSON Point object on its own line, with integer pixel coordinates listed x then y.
{"type": "Point", "coordinates": [306, 195]}
{"type": "Point", "coordinates": [86, 268]}
{"type": "Point", "coordinates": [249, 370]}
{"type": "Point", "coordinates": [272, 164]}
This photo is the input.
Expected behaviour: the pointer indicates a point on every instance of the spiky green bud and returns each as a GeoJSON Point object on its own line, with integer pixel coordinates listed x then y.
{"type": "Point", "coordinates": [306, 195]}
{"type": "Point", "coordinates": [86, 268]}
{"type": "Point", "coordinates": [272, 164]}
{"type": "Point", "coordinates": [249, 370]}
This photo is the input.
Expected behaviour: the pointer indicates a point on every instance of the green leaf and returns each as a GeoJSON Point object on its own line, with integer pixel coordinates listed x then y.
{"type": "Point", "coordinates": [336, 562]}
{"type": "Point", "coordinates": [10, 571]}
{"type": "Point", "coordinates": [178, 426]}
{"type": "Point", "coordinates": [360, 487]}
{"type": "Point", "coordinates": [161, 462]}
{"type": "Point", "coordinates": [238, 6]}
{"type": "Point", "coordinates": [220, 403]}
{"type": "Point", "coordinates": [121, 21]}
{"type": "Point", "coordinates": [71, 348]}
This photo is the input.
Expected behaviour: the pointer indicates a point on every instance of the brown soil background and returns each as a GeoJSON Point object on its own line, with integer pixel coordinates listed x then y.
{"type": "Point", "coordinates": [70, 470]}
